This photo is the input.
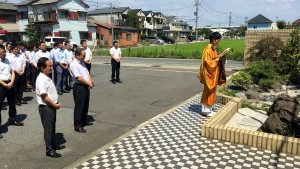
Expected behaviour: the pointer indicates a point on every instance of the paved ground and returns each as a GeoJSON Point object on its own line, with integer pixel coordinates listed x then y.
{"type": "Point", "coordinates": [151, 86]}
{"type": "Point", "coordinates": [173, 141]}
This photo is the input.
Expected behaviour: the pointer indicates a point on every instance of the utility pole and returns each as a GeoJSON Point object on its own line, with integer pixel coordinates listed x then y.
{"type": "Point", "coordinates": [196, 14]}
{"type": "Point", "coordinates": [230, 20]}
{"type": "Point", "coordinates": [246, 20]}
{"type": "Point", "coordinates": [111, 23]}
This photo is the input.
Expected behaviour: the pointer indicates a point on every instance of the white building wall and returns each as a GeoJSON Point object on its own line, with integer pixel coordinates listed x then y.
{"type": "Point", "coordinates": [94, 37]}
{"type": "Point", "coordinates": [105, 18]}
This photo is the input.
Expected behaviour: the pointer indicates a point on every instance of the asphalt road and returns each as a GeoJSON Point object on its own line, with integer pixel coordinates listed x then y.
{"type": "Point", "coordinates": [150, 87]}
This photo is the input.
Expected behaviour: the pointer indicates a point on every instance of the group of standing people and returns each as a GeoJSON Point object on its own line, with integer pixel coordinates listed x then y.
{"type": "Point", "coordinates": [69, 69]}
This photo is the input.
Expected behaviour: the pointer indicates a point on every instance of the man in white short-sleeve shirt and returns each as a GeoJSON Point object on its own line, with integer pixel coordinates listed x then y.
{"type": "Point", "coordinates": [88, 55]}
{"type": "Point", "coordinates": [116, 56]}
{"type": "Point", "coordinates": [47, 98]}
{"type": "Point", "coordinates": [81, 90]}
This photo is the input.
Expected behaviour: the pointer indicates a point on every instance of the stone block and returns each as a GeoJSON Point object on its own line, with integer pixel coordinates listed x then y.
{"type": "Point", "coordinates": [224, 131]}
{"type": "Point", "coordinates": [254, 138]}
{"type": "Point", "coordinates": [228, 131]}
{"type": "Point", "coordinates": [264, 141]}
{"type": "Point", "coordinates": [274, 142]}
{"type": "Point", "coordinates": [270, 141]}
{"type": "Point", "coordinates": [220, 130]}
{"type": "Point", "coordinates": [250, 138]}
{"type": "Point", "coordinates": [216, 131]}
{"type": "Point", "coordinates": [259, 139]}
{"type": "Point", "coordinates": [237, 136]}
{"type": "Point", "coordinates": [241, 136]}
{"type": "Point", "coordinates": [289, 145]}
{"type": "Point", "coordinates": [232, 134]}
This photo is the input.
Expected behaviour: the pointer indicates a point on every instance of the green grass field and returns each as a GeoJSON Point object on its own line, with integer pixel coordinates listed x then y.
{"type": "Point", "coordinates": [184, 51]}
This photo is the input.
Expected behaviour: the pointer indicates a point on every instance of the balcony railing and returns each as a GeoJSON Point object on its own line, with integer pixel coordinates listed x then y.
{"type": "Point", "coordinates": [42, 17]}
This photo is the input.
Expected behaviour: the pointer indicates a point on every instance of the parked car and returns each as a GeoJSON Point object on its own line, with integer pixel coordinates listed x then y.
{"type": "Point", "coordinates": [168, 40]}
{"type": "Point", "coordinates": [154, 40]}
{"type": "Point", "coordinates": [193, 38]}
{"type": "Point", "coordinates": [50, 40]}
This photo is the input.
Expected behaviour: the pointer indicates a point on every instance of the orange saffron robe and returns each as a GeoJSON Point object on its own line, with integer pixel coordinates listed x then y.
{"type": "Point", "coordinates": [209, 75]}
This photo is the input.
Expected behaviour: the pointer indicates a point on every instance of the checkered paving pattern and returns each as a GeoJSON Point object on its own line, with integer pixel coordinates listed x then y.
{"type": "Point", "coordinates": [173, 141]}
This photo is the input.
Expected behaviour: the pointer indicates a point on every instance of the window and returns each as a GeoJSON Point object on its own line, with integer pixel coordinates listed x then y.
{"type": "Point", "coordinates": [82, 16]}
{"type": "Point", "coordinates": [85, 35]}
{"type": "Point", "coordinates": [7, 18]}
{"type": "Point", "coordinates": [73, 15]}
{"type": "Point", "coordinates": [23, 15]}
{"type": "Point", "coordinates": [128, 36]}
{"type": "Point", "coordinates": [63, 14]}
{"type": "Point", "coordinates": [64, 34]}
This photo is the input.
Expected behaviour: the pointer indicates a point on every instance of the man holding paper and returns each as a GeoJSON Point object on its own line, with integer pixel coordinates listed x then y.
{"type": "Point", "coordinates": [210, 72]}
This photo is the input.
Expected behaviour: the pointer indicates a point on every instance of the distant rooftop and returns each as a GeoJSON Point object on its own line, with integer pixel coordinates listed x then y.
{"type": "Point", "coordinates": [259, 19]}
{"type": "Point", "coordinates": [108, 10]}
{"type": "Point", "coordinates": [7, 6]}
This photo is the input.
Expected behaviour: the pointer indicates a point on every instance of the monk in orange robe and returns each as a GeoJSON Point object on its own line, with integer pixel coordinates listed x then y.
{"type": "Point", "coordinates": [209, 73]}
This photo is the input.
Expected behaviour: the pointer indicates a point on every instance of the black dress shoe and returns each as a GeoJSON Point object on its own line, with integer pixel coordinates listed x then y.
{"type": "Point", "coordinates": [53, 154]}
{"type": "Point", "coordinates": [119, 81]}
{"type": "Point", "coordinates": [3, 108]}
{"type": "Point", "coordinates": [87, 124]}
{"type": "Point", "coordinates": [60, 147]}
{"type": "Point", "coordinates": [23, 102]}
{"type": "Point", "coordinates": [66, 91]}
{"type": "Point", "coordinates": [80, 130]}
{"type": "Point", "coordinates": [18, 103]}
{"type": "Point", "coordinates": [27, 90]}
{"type": "Point", "coordinates": [113, 81]}
{"type": "Point", "coordinates": [60, 93]}
{"type": "Point", "coordinates": [1, 136]}
{"type": "Point", "coordinates": [15, 123]}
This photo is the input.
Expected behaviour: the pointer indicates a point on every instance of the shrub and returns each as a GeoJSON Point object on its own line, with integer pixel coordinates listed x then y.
{"type": "Point", "coordinates": [295, 75]}
{"type": "Point", "coordinates": [243, 79]}
{"type": "Point", "coordinates": [266, 83]}
{"type": "Point", "coordinates": [261, 70]}
{"type": "Point", "coordinates": [266, 49]}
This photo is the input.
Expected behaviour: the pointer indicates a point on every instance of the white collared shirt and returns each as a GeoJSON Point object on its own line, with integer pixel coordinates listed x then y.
{"type": "Point", "coordinates": [5, 70]}
{"type": "Point", "coordinates": [32, 58]}
{"type": "Point", "coordinates": [78, 69]}
{"type": "Point", "coordinates": [17, 62]}
{"type": "Point", "coordinates": [69, 55]}
{"type": "Point", "coordinates": [39, 54]}
{"type": "Point", "coordinates": [88, 54]}
{"type": "Point", "coordinates": [60, 56]}
{"type": "Point", "coordinates": [115, 52]}
{"type": "Point", "coordinates": [44, 85]}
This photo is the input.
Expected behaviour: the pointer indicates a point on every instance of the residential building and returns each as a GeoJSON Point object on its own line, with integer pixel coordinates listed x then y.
{"type": "Point", "coordinates": [260, 22]}
{"type": "Point", "coordinates": [67, 18]}
{"type": "Point", "coordinates": [9, 22]}
{"type": "Point", "coordinates": [142, 17]}
{"type": "Point", "coordinates": [149, 23]}
{"type": "Point", "coordinates": [178, 28]}
{"type": "Point", "coordinates": [296, 22]}
{"type": "Point", "coordinates": [125, 35]}
{"type": "Point", "coordinates": [119, 15]}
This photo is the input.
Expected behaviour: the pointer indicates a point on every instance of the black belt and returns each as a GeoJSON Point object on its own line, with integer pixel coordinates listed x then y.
{"type": "Point", "coordinates": [42, 105]}
{"type": "Point", "coordinates": [6, 81]}
{"type": "Point", "coordinates": [80, 84]}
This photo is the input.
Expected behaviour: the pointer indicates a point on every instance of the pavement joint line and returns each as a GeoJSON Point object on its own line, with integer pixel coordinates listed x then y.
{"type": "Point", "coordinates": [94, 153]}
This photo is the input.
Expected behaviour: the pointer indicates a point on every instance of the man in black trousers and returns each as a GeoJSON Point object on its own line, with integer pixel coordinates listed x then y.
{"type": "Point", "coordinates": [46, 96]}
{"type": "Point", "coordinates": [81, 90]}
{"type": "Point", "coordinates": [7, 77]}
{"type": "Point", "coordinates": [116, 56]}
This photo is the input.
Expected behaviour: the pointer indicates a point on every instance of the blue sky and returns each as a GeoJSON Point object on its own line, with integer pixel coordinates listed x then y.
{"type": "Point", "coordinates": [212, 12]}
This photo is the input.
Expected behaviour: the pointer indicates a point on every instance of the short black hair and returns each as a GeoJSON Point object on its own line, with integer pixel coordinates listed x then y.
{"type": "Point", "coordinates": [115, 42]}
{"type": "Point", "coordinates": [66, 43]}
{"type": "Point", "coordinates": [82, 41]}
{"type": "Point", "coordinates": [13, 46]}
{"type": "Point", "coordinates": [2, 47]}
{"type": "Point", "coordinates": [75, 46]}
{"type": "Point", "coordinates": [41, 43]}
{"type": "Point", "coordinates": [78, 51]}
{"type": "Point", "coordinates": [42, 63]}
{"type": "Point", "coordinates": [55, 44]}
{"type": "Point", "coordinates": [215, 35]}
{"type": "Point", "coordinates": [59, 43]}
{"type": "Point", "coordinates": [8, 43]}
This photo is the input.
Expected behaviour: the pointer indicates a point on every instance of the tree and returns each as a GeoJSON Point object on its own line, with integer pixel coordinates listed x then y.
{"type": "Point", "coordinates": [204, 32]}
{"type": "Point", "coordinates": [241, 30]}
{"type": "Point", "coordinates": [281, 24]}
{"type": "Point", "coordinates": [32, 34]}
{"type": "Point", "coordinates": [132, 19]}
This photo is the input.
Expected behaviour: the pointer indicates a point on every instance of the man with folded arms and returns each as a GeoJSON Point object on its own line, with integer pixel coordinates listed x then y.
{"type": "Point", "coordinates": [46, 96]}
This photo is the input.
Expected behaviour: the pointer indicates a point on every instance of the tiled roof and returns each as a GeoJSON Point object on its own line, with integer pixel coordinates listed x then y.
{"type": "Point", "coordinates": [147, 12]}
{"type": "Point", "coordinates": [129, 28]}
{"type": "Point", "coordinates": [170, 18]}
{"type": "Point", "coordinates": [39, 2]}
{"type": "Point", "coordinates": [296, 22]}
{"type": "Point", "coordinates": [7, 6]}
{"type": "Point", "coordinates": [259, 19]}
{"type": "Point", "coordinates": [108, 10]}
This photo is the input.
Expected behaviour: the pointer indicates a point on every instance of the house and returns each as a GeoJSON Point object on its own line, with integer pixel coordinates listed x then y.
{"type": "Point", "coordinates": [142, 17]}
{"type": "Point", "coordinates": [66, 18]}
{"type": "Point", "coordinates": [260, 22]}
{"type": "Point", "coordinates": [296, 22]}
{"type": "Point", "coordinates": [149, 23]}
{"type": "Point", "coordinates": [119, 15]}
{"type": "Point", "coordinates": [177, 28]}
{"type": "Point", "coordinates": [125, 35]}
{"type": "Point", "coordinates": [9, 22]}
